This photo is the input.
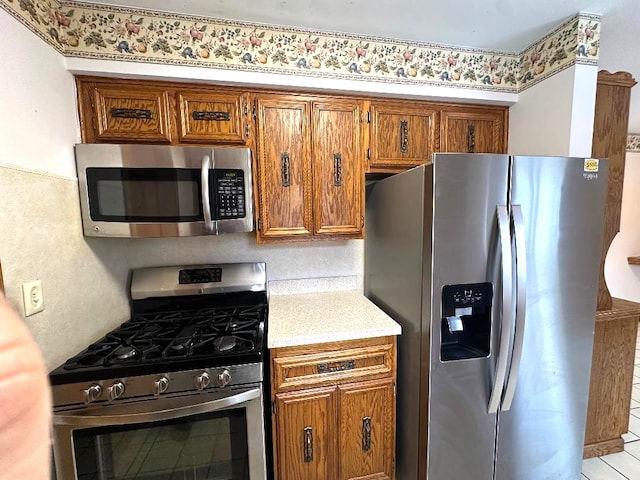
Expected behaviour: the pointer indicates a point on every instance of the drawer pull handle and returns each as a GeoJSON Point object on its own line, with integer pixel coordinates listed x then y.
{"type": "Point", "coordinates": [404, 136]}
{"type": "Point", "coordinates": [308, 444]}
{"type": "Point", "coordinates": [336, 366]}
{"type": "Point", "coordinates": [471, 138]}
{"type": "Point", "coordinates": [139, 113]}
{"type": "Point", "coordinates": [366, 434]}
{"type": "Point", "coordinates": [337, 169]}
{"type": "Point", "coordinates": [212, 116]}
{"type": "Point", "coordinates": [285, 169]}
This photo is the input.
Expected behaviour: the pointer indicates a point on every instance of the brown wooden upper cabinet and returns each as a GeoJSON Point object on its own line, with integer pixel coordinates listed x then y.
{"type": "Point", "coordinates": [284, 167]}
{"type": "Point", "coordinates": [143, 111]}
{"type": "Point", "coordinates": [310, 167]}
{"type": "Point", "coordinates": [402, 134]}
{"type": "Point", "coordinates": [124, 112]}
{"type": "Point", "coordinates": [471, 129]}
{"type": "Point", "coordinates": [338, 170]}
{"type": "Point", "coordinates": [206, 117]}
{"type": "Point", "coordinates": [310, 150]}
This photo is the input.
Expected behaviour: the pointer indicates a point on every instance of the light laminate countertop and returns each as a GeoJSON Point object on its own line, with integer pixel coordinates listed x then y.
{"type": "Point", "coordinates": [308, 318]}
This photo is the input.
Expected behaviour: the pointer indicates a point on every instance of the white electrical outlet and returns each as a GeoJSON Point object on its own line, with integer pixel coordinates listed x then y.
{"type": "Point", "coordinates": [32, 297]}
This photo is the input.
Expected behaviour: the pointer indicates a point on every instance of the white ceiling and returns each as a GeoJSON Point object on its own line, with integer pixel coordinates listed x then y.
{"type": "Point", "coordinates": [507, 25]}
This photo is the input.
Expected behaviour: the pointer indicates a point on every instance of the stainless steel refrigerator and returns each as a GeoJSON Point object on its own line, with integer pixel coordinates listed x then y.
{"type": "Point", "coordinates": [490, 264]}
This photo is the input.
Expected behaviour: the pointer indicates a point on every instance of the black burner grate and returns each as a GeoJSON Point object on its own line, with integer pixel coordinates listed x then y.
{"type": "Point", "coordinates": [156, 337]}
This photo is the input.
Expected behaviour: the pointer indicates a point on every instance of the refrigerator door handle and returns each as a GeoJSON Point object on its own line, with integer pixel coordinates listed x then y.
{"type": "Point", "coordinates": [521, 305]}
{"type": "Point", "coordinates": [504, 235]}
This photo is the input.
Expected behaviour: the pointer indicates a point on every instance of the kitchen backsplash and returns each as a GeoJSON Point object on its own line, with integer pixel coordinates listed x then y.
{"type": "Point", "coordinates": [85, 279]}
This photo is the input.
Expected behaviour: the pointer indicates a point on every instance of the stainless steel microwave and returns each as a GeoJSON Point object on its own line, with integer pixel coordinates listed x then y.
{"type": "Point", "coordinates": [164, 191]}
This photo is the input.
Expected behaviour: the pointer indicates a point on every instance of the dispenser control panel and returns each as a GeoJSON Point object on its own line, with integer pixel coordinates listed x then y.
{"type": "Point", "coordinates": [467, 295]}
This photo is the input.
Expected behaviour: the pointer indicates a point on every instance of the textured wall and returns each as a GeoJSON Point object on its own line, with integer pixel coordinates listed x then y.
{"type": "Point", "coordinates": [41, 238]}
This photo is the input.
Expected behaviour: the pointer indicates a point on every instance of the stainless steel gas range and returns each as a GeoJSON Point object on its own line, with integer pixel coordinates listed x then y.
{"type": "Point", "coordinates": [177, 390]}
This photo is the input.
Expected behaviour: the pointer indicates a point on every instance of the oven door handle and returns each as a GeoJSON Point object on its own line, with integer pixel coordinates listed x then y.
{"type": "Point", "coordinates": [99, 420]}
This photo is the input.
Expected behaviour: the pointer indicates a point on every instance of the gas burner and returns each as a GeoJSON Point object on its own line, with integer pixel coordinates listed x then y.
{"type": "Point", "coordinates": [224, 343]}
{"type": "Point", "coordinates": [126, 353]}
{"type": "Point", "coordinates": [177, 349]}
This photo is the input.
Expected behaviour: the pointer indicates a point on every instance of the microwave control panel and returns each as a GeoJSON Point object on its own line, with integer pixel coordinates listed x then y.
{"type": "Point", "coordinates": [229, 194]}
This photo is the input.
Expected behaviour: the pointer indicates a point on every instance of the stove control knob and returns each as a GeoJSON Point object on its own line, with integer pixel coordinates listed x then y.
{"type": "Point", "coordinates": [160, 386]}
{"type": "Point", "coordinates": [224, 377]}
{"type": "Point", "coordinates": [202, 381]}
{"type": "Point", "coordinates": [92, 393]}
{"type": "Point", "coordinates": [116, 390]}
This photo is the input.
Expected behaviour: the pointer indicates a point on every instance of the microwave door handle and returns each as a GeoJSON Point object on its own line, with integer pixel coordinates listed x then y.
{"type": "Point", "coordinates": [506, 320]}
{"type": "Point", "coordinates": [204, 180]}
{"type": "Point", "coordinates": [521, 305]}
{"type": "Point", "coordinates": [87, 421]}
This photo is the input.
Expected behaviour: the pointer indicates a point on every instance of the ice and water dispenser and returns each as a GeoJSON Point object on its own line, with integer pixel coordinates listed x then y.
{"type": "Point", "coordinates": [466, 321]}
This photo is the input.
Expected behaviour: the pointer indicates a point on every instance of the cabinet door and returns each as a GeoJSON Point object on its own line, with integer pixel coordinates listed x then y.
{"type": "Point", "coordinates": [305, 435]}
{"type": "Point", "coordinates": [402, 135]}
{"type": "Point", "coordinates": [473, 131]}
{"type": "Point", "coordinates": [338, 168]}
{"type": "Point", "coordinates": [207, 117]}
{"type": "Point", "coordinates": [367, 430]}
{"type": "Point", "coordinates": [127, 113]}
{"type": "Point", "coordinates": [284, 168]}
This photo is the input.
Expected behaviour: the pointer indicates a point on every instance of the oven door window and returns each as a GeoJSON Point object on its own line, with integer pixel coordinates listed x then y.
{"type": "Point", "coordinates": [211, 446]}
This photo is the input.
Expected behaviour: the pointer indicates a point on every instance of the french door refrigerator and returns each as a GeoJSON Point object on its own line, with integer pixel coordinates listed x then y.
{"type": "Point", "coordinates": [490, 264]}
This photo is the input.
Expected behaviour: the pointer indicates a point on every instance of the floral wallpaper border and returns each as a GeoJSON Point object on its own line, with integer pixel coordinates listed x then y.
{"type": "Point", "coordinates": [114, 33]}
{"type": "Point", "coordinates": [633, 142]}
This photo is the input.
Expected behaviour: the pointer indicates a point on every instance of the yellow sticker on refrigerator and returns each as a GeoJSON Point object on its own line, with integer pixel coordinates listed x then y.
{"type": "Point", "coordinates": [591, 165]}
{"type": "Point", "coordinates": [590, 170]}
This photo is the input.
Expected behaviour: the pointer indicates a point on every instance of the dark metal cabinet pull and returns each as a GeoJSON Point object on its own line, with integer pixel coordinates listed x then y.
{"type": "Point", "coordinates": [471, 138]}
{"type": "Point", "coordinates": [404, 136]}
{"type": "Point", "coordinates": [366, 434]}
{"type": "Point", "coordinates": [337, 170]}
{"type": "Point", "coordinates": [211, 116]}
{"type": "Point", "coordinates": [308, 444]}
{"type": "Point", "coordinates": [336, 366]}
{"type": "Point", "coordinates": [285, 169]}
{"type": "Point", "coordinates": [140, 113]}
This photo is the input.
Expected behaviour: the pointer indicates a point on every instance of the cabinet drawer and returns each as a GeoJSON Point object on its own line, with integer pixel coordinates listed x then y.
{"type": "Point", "coordinates": [206, 117]}
{"type": "Point", "coordinates": [131, 114]}
{"type": "Point", "coordinates": [331, 364]}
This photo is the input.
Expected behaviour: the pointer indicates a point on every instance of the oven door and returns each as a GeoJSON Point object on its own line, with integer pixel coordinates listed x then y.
{"type": "Point", "coordinates": [207, 436]}
{"type": "Point", "coordinates": [162, 191]}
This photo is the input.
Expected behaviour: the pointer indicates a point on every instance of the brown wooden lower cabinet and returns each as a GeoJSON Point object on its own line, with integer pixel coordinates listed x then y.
{"type": "Point", "coordinates": [344, 427]}
{"type": "Point", "coordinates": [614, 351]}
{"type": "Point", "coordinates": [367, 430]}
{"type": "Point", "coordinates": [304, 424]}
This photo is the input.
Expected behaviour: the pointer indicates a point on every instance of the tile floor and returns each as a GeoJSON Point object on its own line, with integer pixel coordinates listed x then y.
{"type": "Point", "coordinates": [623, 465]}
